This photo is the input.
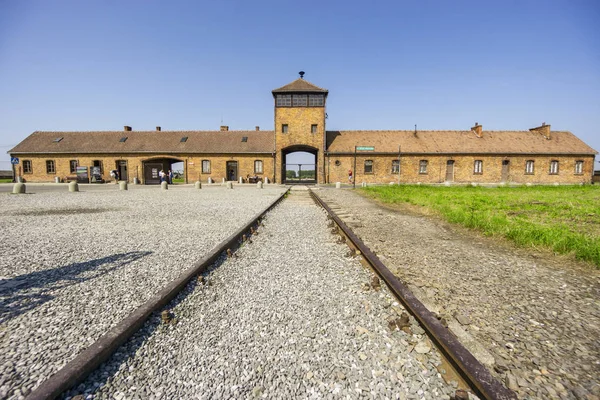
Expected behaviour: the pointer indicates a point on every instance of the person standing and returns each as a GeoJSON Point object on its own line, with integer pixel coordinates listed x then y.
{"type": "Point", "coordinates": [161, 175]}
{"type": "Point", "coordinates": [170, 177]}
{"type": "Point", "coordinates": [349, 176]}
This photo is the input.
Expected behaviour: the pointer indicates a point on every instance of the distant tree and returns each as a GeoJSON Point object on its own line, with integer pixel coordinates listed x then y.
{"type": "Point", "coordinates": [307, 174]}
{"type": "Point", "coordinates": [290, 174]}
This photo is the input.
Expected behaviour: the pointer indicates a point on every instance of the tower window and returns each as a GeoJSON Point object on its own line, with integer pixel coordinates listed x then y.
{"type": "Point", "coordinates": [284, 128]}
{"type": "Point", "coordinates": [316, 100]}
{"type": "Point", "coordinates": [300, 100]}
{"type": "Point", "coordinates": [313, 128]}
{"type": "Point", "coordinates": [284, 100]}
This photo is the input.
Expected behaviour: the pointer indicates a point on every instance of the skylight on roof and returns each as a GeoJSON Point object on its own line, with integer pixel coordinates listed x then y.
{"type": "Point", "coordinates": [184, 139]}
{"type": "Point", "coordinates": [123, 139]}
{"type": "Point", "coordinates": [58, 139]}
{"type": "Point", "coordinates": [245, 139]}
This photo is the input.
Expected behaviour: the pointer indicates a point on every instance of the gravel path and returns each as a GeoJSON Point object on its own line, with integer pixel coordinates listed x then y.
{"type": "Point", "coordinates": [535, 321]}
{"type": "Point", "coordinates": [292, 315]}
{"type": "Point", "coordinates": [75, 264]}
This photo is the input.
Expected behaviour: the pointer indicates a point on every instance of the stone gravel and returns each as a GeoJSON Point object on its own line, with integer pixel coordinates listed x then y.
{"type": "Point", "coordinates": [532, 317]}
{"type": "Point", "coordinates": [291, 315]}
{"type": "Point", "coordinates": [74, 264]}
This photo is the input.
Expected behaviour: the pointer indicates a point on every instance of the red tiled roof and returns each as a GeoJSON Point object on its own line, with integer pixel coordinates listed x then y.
{"type": "Point", "coordinates": [459, 142]}
{"type": "Point", "coordinates": [147, 142]}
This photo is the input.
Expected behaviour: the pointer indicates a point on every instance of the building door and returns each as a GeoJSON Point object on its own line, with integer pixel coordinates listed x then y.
{"type": "Point", "coordinates": [232, 170]}
{"type": "Point", "coordinates": [122, 168]}
{"type": "Point", "coordinates": [505, 170]}
{"type": "Point", "coordinates": [450, 171]}
{"type": "Point", "coordinates": [151, 171]}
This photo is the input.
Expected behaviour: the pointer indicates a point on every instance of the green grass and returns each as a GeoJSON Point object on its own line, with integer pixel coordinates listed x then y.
{"type": "Point", "coordinates": [565, 219]}
{"type": "Point", "coordinates": [178, 180]}
{"type": "Point", "coordinates": [8, 180]}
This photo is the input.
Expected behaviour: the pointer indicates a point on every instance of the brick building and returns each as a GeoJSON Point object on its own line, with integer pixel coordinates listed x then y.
{"type": "Point", "coordinates": [538, 155]}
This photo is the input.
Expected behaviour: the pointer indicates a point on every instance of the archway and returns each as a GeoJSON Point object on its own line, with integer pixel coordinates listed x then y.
{"type": "Point", "coordinates": [299, 165]}
{"type": "Point", "coordinates": [152, 167]}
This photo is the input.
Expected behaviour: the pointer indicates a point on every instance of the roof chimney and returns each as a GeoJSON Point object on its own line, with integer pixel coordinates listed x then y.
{"type": "Point", "coordinates": [224, 128]}
{"type": "Point", "coordinates": [127, 128]}
{"type": "Point", "coordinates": [257, 128]}
{"type": "Point", "coordinates": [478, 129]}
{"type": "Point", "coordinates": [158, 128]}
{"type": "Point", "coordinates": [543, 129]}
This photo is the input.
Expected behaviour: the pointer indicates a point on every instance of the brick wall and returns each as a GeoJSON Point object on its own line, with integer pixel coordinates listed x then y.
{"type": "Point", "coordinates": [192, 165]}
{"type": "Point", "coordinates": [463, 169]}
{"type": "Point", "coordinates": [299, 121]}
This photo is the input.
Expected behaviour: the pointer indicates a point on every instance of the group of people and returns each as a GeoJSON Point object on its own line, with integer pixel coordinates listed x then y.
{"type": "Point", "coordinates": [166, 177]}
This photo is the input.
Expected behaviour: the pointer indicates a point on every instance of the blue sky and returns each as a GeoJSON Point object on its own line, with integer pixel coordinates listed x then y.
{"type": "Point", "coordinates": [99, 65]}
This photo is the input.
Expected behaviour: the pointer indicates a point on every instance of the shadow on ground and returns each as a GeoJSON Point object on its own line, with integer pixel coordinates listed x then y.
{"type": "Point", "coordinates": [26, 292]}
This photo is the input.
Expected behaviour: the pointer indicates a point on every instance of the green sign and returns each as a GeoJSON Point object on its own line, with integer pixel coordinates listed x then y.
{"type": "Point", "coordinates": [365, 148]}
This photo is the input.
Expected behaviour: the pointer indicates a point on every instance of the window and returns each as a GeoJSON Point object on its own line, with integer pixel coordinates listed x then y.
{"type": "Point", "coordinates": [316, 100]}
{"type": "Point", "coordinates": [529, 167]}
{"type": "Point", "coordinates": [423, 166]}
{"type": "Point", "coordinates": [244, 138]}
{"type": "Point", "coordinates": [284, 100]}
{"type": "Point", "coordinates": [27, 167]}
{"type": "Point", "coordinates": [284, 128]}
{"type": "Point", "coordinates": [313, 128]}
{"type": "Point", "coordinates": [368, 166]}
{"type": "Point", "coordinates": [478, 167]}
{"type": "Point", "coordinates": [73, 164]}
{"type": "Point", "coordinates": [395, 166]}
{"type": "Point", "coordinates": [98, 163]}
{"type": "Point", "coordinates": [579, 167]}
{"type": "Point", "coordinates": [50, 167]}
{"type": "Point", "coordinates": [553, 167]}
{"type": "Point", "coordinates": [123, 139]}
{"type": "Point", "coordinates": [183, 139]}
{"type": "Point", "coordinates": [300, 100]}
{"type": "Point", "coordinates": [206, 166]}
{"type": "Point", "coordinates": [58, 139]}
{"type": "Point", "coordinates": [258, 167]}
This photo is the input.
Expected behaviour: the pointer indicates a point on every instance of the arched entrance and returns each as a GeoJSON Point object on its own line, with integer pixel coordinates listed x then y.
{"type": "Point", "coordinates": [299, 165]}
{"type": "Point", "coordinates": [152, 167]}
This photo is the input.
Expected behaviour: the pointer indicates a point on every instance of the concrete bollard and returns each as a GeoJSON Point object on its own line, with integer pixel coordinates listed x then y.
{"type": "Point", "coordinates": [18, 188]}
{"type": "Point", "coordinates": [229, 185]}
{"type": "Point", "coordinates": [223, 180]}
{"type": "Point", "coordinates": [136, 181]}
{"type": "Point", "coordinates": [259, 185]}
{"type": "Point", "coordinates": [198, 185]}
{"type": "Point", "coordinates": [338, 185]}
{"type": "Point", "coordinates": [56, 179]}
{"type": "Point", "coordinates": [210, 180]}
{"type": "Point", "coordinates": [364, 184]}
{"type": "Point", "coordinates": [241, 180]}
{"type": "Point", "coordinates": [73, 187]}
{"type": "Point", "coordinates": [267, 180]}
{"type": "Point", "coordinates": [164, 185]}
{"type": "Point", "coordinates": [122, 185]}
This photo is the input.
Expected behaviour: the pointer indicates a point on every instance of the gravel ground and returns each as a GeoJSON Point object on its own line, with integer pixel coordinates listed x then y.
{"type": "Point", "coordinates": [75, 264]}
{"type": "Point", "coordinates": [534, 318]}
{"type": "Point", "coordinates": [292, 315]}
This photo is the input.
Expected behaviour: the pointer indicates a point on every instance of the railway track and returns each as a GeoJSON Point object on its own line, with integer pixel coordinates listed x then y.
{"type": "Point", "coordinates": [291, 313]}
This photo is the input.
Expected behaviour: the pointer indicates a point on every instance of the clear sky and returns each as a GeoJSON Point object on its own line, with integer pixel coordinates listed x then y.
{"type": "Point", "coordinates": [99, 65]}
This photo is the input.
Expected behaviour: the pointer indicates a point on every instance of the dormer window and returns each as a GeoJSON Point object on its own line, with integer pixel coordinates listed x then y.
{"type": "Point", "coordinates": [58, 139]}
{"type": "Point", "coordinates": [244, 138]}
{"type": "Point", "coordinates": [123, 139]}
{"type": "Point", "coordinates": [184, 139]}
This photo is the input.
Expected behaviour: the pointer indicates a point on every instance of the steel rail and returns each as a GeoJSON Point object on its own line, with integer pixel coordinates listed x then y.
{"type": "Point", "coordinates": [472, 371]}
{"type": "Point", "coordinates": [89, 359]}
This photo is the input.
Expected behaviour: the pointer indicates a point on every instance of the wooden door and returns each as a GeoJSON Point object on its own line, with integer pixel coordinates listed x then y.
{"type": "Point", "coordinates": [505, 170]}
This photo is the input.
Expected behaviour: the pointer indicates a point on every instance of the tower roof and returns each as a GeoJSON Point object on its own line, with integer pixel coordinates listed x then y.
{"type": "Point", "coordinates": [300, 86]}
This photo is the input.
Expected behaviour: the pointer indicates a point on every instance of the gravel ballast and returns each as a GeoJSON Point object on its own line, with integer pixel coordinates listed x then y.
{"type": "Point", "coordinates": [291, 315]}
{"type": "Point", "coordinates": [533, 318]}
{"type": "Point", "coordinates": [74, 264]}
